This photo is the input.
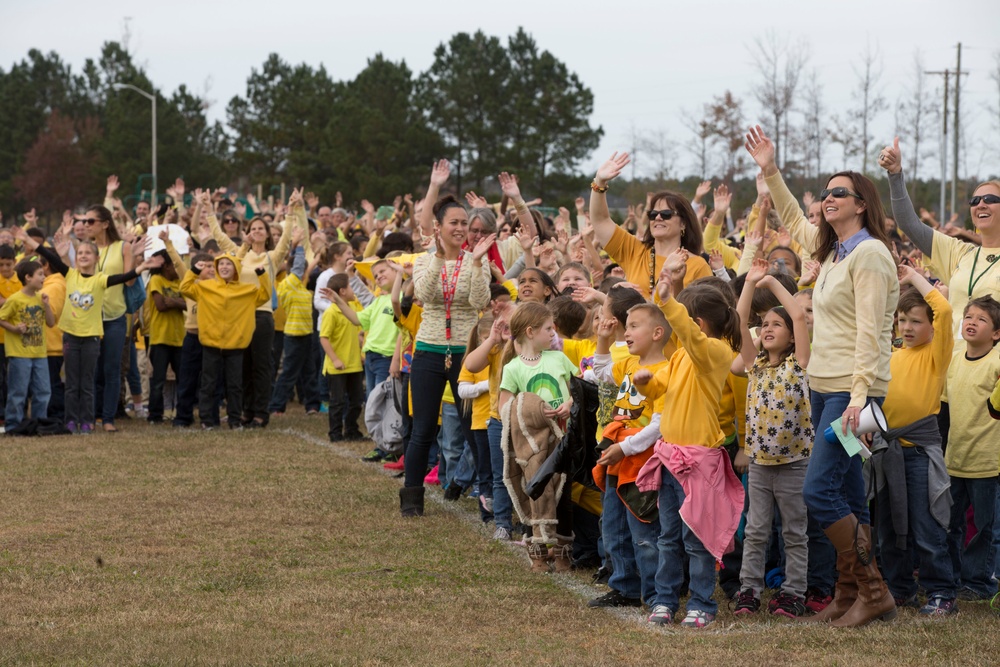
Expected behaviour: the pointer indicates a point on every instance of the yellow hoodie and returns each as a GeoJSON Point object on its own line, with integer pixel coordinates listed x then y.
{"type": "Point", "coordinates": [226, 309]}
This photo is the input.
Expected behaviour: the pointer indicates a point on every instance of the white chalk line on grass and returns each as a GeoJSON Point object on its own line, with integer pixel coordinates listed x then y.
{"type": "Point", "coordinates": [765, 624]}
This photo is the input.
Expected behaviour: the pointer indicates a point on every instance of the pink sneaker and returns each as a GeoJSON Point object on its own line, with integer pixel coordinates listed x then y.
{"type": "Point", "coordinates": [432, 476]}
{"type": "Point", "coordinates": [394, 465]}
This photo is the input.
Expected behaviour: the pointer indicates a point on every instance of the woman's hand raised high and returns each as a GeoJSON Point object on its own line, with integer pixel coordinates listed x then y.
{"type": "Point", "coordinates": [761, 149]}
{"type": "Point", "coordinates": [890, 158]}
{"type": "Point", "coordinates": [612, 168]}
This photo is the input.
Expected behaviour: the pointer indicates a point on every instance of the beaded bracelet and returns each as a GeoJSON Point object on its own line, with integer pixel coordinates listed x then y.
{"type": "Point", "coordinates": [596, 188]}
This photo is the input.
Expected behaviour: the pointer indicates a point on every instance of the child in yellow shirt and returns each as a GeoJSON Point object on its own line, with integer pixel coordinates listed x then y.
{"type": "Point", "coordinates": [340, 340]}
{"type": "Point", "coordinates": [9, 285]}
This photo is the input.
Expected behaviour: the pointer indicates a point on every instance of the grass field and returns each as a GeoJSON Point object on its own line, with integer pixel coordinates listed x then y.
{"type": "Point", "coordinates": [165, 546]}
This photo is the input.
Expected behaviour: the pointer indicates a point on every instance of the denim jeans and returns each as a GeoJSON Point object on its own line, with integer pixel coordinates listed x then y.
{"type": "Point", "coordinates": [675, 539]}
{"type": "Point", "coordinates": [821, 574]}
{"type": "Point", "coordinates": [376, 370]}
{"type": "Point", "coordinates": [428, 377]}
{"type": "Point", "coordinates": [647, 554]}
{"type": "Point", "coordinates": [108, 386]}
{"type": "Point", "coordinates": [618, 542]}
{"type": "Point", "coordinates": [484, 465]}
{"type": "Point", "coordinates": [57, 402]}
{"type": "Point", "coordinates": [297, 351]}
{"type": "Point", "coordinates": [162, 356]}
{"type": "Point", "coordinates": [80, 360]}
{"type": "Point", "coordinates": [503, 507]}
{"type": "Point", "coordinates": [927, 536]}
{"type": "Point", "coordinates": [834, 485]}
{"type": "Point", "coordinates": [451, 441]}
{"type": "Point", "coordinates": [134, 376]}
{"type": "Point", "coordinates": [973, 564]}
{"type": "Point", "coordinates": [24, 374]}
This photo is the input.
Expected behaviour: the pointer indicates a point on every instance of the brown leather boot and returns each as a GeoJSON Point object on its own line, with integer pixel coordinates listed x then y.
{"type": "Point", "coordinates": [841, 535]}
{"type": "Point", "coordinates": [562, 555]}
{"type": "Point", "coordinates": [539, 555]}
{"type": "Point", "coordinates": [874, 599]}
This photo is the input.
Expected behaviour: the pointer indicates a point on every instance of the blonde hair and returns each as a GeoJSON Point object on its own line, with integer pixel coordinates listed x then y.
{"type": "Point", "coordinates": [479, 333]}
{"type": "Point", "coordinates": [527, 315]}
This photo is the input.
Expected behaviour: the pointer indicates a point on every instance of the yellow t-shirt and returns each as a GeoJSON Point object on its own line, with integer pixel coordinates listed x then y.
{"type": "Point", "coordinates": [974, 439]}
{"type": "Point", "coordinates": [955, 261]}
{"type": "Point", "coordinates": [578, 350]}
{"type": "Point", "coordinates": [29, 311]}
{"type": "Point", "coordinates": [919, 373]}
{"type": "Point", "coordinates": [82, 312]}
{"type": "Point", "coordinates": [481, 403]}
{"type": "Point", "coordinates": [343, 337]}
{"type": "Point", "coordinates": [110, 262]}
{"type": "Point", "coordinates": [55, 287]}
{"type": "Point", "coordinates": [633, 256]}
{"type": "Point", "coordinates": [8, 287]}
{"type": "Point", "coordinates": [166, 328]}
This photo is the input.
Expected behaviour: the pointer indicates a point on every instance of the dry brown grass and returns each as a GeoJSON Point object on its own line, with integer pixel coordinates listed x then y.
{"type": "Point", "coordinates": [165, 546]}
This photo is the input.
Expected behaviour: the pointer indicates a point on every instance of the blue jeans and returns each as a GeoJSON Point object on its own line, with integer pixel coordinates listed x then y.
{"type": "Point", "coordinates": [451, 442]}
{"type": "Point", "coordinates": [925, 534]}
{"type": "Point", "coordinates": [376, 370]}
{"type": "Point", "coordinates": [134, 377]}
{"type": "Point", "coordinates": [834, 486]}
{"type": "Point", "coordinates": [297, 351]}
{"type": "Point", "coordinates": [24, 374]}
{"type": "Point", "coordinates": [973, 564]}
{"type": "Point", "coordinates": [108, 386]}
{"type": "Point", "coordinates": [647, 554]}
{"type": "Point", "coordinates": [629, 576]}
{"type": "Point", "coordinates": [675, 539]}
{"type": "Point", "coordinates": [503, 508]}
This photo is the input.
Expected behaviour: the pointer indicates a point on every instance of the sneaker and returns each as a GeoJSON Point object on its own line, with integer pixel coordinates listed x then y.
{"type": "Point", "coordinates": [71, 426]}
{"type": "Point", "coordinates": [86, 429]}
{"type": "Point", "coordinates": [324, 408]}
{"type": "Point", "coordinates": [912, 602]}
{"type": "Point", "coordinates": [662, 615]}
{"type": "Point", "coordinates": [939, 606]}
{"type": "Point", "coordinates": [614, 599]}
{"type": "Point", "coordinates": [207, 427]}
{"type": "Point", "coordinates": [374, 456]}
{"type": "Point", "coordinates": [787, 605]}
{"type": "Point", "coordinates": [697, 619]}
{"type": "Point", "coordinates": [603, 575]}
{"type": "Point", "coordinates": [486, 504]}
{"type": "Point", "coordinates": [746, 603]}
{"type": "Point", "coordinates": [970, 595]}
{"type": "Point", "coordinates": [501, 534]}
{"type": "Point", "coordinates": [817, 601]}
{"type": "Point", "coordinates": [395, 465]}
{"type": "Point", "coordinates": [453, 492]}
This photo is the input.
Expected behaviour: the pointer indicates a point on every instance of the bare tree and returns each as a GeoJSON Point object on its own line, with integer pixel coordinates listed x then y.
{"type": "Point", "coordinates": [916, 113]}
{"type": "Point", "coordinates": [725, 117]}
{"type": "Point", "coordinates": [661, 151]}
{"type": "Point", "coordinates": [813, 121]}
{"type": "Point", "coordinates": [844, 134]}
{"type": "Point", "coordinates": [995, 76]}
{"type": "Point", "coordinates": [701, 140]}
{"type": "Point", "coordinates": [780, 64]}
{"type": "Point", "coordinates": [869, 98]}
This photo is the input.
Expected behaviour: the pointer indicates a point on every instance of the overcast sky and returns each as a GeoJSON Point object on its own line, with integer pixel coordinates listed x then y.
{"type": "Point", "coordinates": [645, 61]}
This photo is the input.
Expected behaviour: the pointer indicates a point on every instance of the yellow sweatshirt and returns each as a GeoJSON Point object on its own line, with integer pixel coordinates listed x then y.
{"type": "Point", "coordinates": [226, 309]}
{"type": "Point", "coordinates": [691, 384]}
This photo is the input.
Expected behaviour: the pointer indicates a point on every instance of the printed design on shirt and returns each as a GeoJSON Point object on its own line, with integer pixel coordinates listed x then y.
{"type": "Point", "coordinates": [169, 292]}
{"type": "Point", "coordinates": [33, 318]}
{"type": "Point", "coordinates": [83, 301]}
{"type": "Point", "coordinates": [547, 387]}
{"type": "Point", "coordinates": [587, 363]}
{"type": "Point", "coordinates": [630, 404]}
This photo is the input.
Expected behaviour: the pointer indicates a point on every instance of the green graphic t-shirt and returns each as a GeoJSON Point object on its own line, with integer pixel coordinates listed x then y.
{"type": "Point", "coordinates": [549, 378]}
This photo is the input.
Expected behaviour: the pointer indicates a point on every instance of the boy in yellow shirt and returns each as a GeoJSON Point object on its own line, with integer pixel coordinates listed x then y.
{"type": "Point", "coordinates": [9, 285]}
{"type": "Point", "coordinates": [55, 288]}
{"type": "Point", "coordinates": [165, 308]}
{"type": "Point", "coordinates": [913, 455]}
{"type": "Point", "coordinates": [225, 326]}
{"type": "Point", "coordinates": [24, 315]}
{"type": "Point", "coordinates": [341, 343]}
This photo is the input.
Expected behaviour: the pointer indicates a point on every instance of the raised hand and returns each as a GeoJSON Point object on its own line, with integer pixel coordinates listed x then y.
{"type": "Point", "coordinates": [765, 208]}
{"type": "Point", "coordinates": [905, 274]}
{"type": "Point", "coordinates": [482, 247]}
{"type": "Point", "coordinates": [784, 238]}
{"type": "Point", "coordinates": [808, 199]}
{"type": "Point", "coordinates": [579, 203]}
{"type": "Point", "coordinates": [440, 173]}
{"type": "Point", "coordinates": [715, 260]}
{"type": "Point", "coordinates": [761, 149]}
{"type": "Point", "coordinates": [475, 201]}
{"type": "Point", "coordinates": [612, 168]}
{"type": "Point", "coordinates": [339, 199]}
{"type": "Point", "coordinates": [642, 376]}
{"type": "Point", "coordinates": [179, 187]}
{"type": "Point", "coordinates": [509, 186]}
{"type": "Point", "coordinates": [810, 272]}
{"type": "Point", "coordinates": [312, 201]}
{"type": "Point", "coordinates": [762, 189]}
{"type": "Point", "coordinates": [408, 198]}
{"type": "Point", "coordinates": [723, 198]}
{"type": "Point", "coordinates": [526, 241]}
{"type": "Point", "coordinates": [112, 185]}
{"type": "Point", "coordinates": [676, 262]}
{"type": "Point", "coordinates": [703, 189]}
{"type": "Point", "coordinates": [890, 158]}
{"type": "Point", "coordinates": [757, 271]}
{"type": "Point", "coordinates": [298, 235]}
{"type": "Point", "coordinates": [240, 209]}
{"type": "Point", "coordinates": [606, 327]}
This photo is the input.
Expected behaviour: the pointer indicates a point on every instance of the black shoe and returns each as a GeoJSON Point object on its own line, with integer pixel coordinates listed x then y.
{"type": "Point", "coordinates": [614, 599]}
{"type": "Point", "coordinates": [603, 575]}
{"type": "Point", "coordinates": [411, 501]}
{"type": "Point", "coordinates": [453, 492]}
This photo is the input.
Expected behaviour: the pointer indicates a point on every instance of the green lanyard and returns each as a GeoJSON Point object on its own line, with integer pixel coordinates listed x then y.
{"type": "Point", "coordinates": [973, 278]}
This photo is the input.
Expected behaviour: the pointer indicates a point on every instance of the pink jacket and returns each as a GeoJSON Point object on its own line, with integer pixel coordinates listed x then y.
{"type": "Point", "coordinates": [713, 495]}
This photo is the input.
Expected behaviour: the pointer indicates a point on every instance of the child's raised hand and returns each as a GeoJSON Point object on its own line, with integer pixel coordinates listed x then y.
{"type": "Point", "coordinates": [606, 327]}
{"type": "Point", "coordinates": [810, 272]}
{"type": "Point", "coordinates": [905, 274]}
{"type": "Point", "coordinates": [677, 262]}
{"type": "Point", "coordinates": [715, 260]}
{"type": "Point", "coordinates": [642, 376]}
{"type": "Point", "coordinates": [758, 271]}
{"type": "Point", "coordinates": [587, 295]}
{"type": "Point", "coordinates": [349, 268]}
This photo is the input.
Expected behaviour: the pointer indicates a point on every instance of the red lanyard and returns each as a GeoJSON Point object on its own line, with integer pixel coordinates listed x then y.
{"type": "Point", "coordinates": [448, 294]}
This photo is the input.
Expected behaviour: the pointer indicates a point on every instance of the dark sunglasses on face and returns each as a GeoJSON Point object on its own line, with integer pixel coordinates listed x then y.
{"type": "Point", "coordinates": [88, 221]}
{"type": "Point", "coordinates": [986, 199]}
{"type": "Point", "coordinates": [229, 221]}
{"type": "Point", "coordinates": [839, 193]}
{"type": "Point", "coordinates": [665, 214]}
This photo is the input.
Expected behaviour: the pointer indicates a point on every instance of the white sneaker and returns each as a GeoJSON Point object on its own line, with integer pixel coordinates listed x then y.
{"type": "Point", "coordinates": [501, 535]}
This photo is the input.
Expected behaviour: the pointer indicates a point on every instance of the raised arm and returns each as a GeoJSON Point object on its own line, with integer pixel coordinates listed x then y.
{"type": "Point", "coordinates": [479, 358]}
{"type": "Point", "coordinates": [902, 208]}
{"type": "Point", "coordinates": [799, 327]}
{"type": "Point", "coordinates": [439, 176]}
{"type": "Point", "coordinates": [510, 188]}
{"type": "Point", "coordinates": [761, 149]}
{"type": "Point", "coordinates": [600, 216]}
{"type": "Point", "coordinates": [748, 351]}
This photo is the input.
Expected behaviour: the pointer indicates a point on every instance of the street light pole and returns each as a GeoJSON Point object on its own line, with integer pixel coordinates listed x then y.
{"type": "Point", "coordinates": [151, 98]}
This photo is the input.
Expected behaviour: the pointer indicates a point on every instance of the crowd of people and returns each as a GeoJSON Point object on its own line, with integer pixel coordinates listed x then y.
{"type": "Point", "coordinates": [691, 388]}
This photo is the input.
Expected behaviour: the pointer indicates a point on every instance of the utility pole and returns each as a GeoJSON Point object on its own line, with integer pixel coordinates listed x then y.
{"type": "Point", "coordinates": [944, 144]}
{"type": "Point", "coordinates": [954, 161]}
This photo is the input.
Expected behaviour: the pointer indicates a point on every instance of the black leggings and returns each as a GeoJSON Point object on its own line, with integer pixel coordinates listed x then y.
{"type": "Point", "coordinates": [258, 374]}
{"type": "Point", "coordinates": [427, 380]}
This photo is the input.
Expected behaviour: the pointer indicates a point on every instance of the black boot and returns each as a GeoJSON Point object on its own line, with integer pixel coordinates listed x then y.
{"type": "Point", "coordinates": [411, 501]}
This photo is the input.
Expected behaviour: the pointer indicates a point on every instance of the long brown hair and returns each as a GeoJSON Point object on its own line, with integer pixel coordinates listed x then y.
{"type": "Point", "coordinates": [268, 241]}
{"type": "Point", "coordinates": [527, 314]}
{"type": "Point", "coordinates": [872, 218]}
{"type": "Point", "coordinates": [104, 215]}
{"type": "Point", "coordinates": [479, 333]}
{"type": "Point", "coordinates": [691, 239]}
{"type": "Point", "coordinates": [716, 309]}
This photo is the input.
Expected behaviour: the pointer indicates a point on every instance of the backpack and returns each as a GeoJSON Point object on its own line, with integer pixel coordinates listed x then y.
{"type": "Point", "coordinates": [30, 427]}
{"type": "Point", "coordinates": [384, 416]}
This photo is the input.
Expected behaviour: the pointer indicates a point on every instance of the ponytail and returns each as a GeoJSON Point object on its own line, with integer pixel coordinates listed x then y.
{"type": "Point", "coordinates": [715, 306]}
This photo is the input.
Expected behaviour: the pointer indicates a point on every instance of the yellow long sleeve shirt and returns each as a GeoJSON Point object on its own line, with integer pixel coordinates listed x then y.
{"type": "Point", "coordinates": [226, 309]}
{"type": "Point", "coordinates": [711, 240]}
{"type": "Point", "coordinates": [974, 439]}
{"type": "Point", "coordinates": [691, 384]}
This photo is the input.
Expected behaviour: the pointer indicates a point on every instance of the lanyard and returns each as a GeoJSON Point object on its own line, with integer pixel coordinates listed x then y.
{"type": "Point", "coordinates": [652, 273]}
{"type": "Point", "coordinates": [973, 278]}
{"type": "Point", "coordinates": [448, 294]}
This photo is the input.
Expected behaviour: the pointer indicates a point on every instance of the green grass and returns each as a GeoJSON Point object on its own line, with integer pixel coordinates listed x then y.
{"type": "Point", "coordinates": [164, 546]}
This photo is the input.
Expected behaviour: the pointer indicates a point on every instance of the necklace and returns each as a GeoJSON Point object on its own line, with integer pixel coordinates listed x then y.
{"type": "Point", "coordinates": [448, 295]}
{"type": "Point", "coordinates": [652, 272]}
{"type": "Point", "coordinates": [973, 278]}
{"type": "Point", "coordinates": [530, 359]}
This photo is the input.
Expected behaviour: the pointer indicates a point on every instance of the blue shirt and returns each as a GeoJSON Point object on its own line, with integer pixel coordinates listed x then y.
{"type": "Point", "coordinates": [847, 247]}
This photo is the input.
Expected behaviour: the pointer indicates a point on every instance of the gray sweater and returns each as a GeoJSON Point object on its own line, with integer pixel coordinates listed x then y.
{"type": "Point", "coordinates": [906, 218]}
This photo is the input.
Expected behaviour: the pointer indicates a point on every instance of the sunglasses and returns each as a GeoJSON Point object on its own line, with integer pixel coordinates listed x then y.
{"type": "Point", "coordinates": [88, 221]}
{"type": "Point", "coordinates": [229, 221]}
{"type": "Point", "coordinates": [986, 199]}
{"type": "Point", "coordinates": [665, 214]}
{"type": "Point", "coordinates": [839, 193]}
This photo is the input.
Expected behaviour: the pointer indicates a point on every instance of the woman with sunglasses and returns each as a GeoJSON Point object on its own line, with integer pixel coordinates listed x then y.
{"type": "Point", "coordinates": [854, 303]}
{"type": "Point", "coordinates": [672, 225]}
{"type": "Point", "coordinates": [114, 257]}
{"type": "Point", "coordinates": [259, 251]}
{"type": "Point", "coordinates": [969, 270]}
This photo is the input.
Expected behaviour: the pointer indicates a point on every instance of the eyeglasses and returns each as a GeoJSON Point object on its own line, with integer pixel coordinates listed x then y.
{"type": "Point", "coordinates": [88, 221]}
{"type": "Point", "coordinates": [986, 199]}
{"type": "Point", "coordinates": [665, 214]}
{"type": "Point", "coordinates": [230, 221]}
{"type": "Point", "coordinates": [839, 193]}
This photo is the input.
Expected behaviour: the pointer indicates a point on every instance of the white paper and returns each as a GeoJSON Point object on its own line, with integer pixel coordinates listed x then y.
{"type": "Point", "coordinates": [178, 237]}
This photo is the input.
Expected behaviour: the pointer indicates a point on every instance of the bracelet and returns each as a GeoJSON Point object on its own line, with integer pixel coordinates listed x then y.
{"type": "Point", "coordinates": [597, 188]}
